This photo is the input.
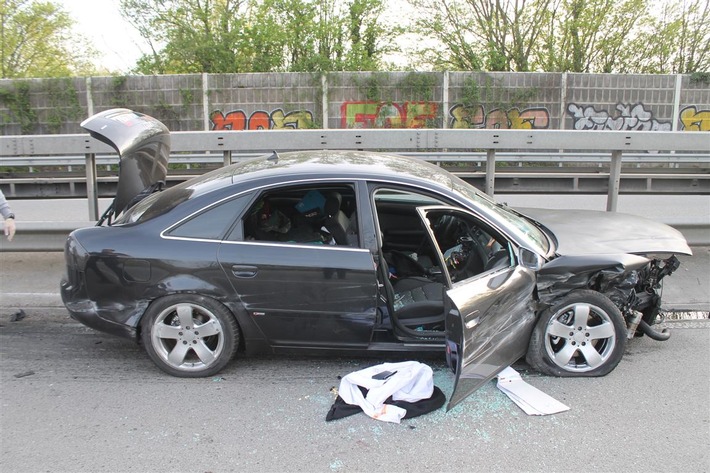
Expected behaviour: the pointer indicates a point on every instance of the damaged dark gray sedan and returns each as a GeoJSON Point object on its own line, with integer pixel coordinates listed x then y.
{"type": "Point", "coordinates": [328, 251]}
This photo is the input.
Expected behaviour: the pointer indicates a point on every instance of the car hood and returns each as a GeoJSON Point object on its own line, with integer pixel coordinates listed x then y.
{"type": "Point", "coordinates": [588, 232]}
{"type": "Point", "coordinates": [143, 145]}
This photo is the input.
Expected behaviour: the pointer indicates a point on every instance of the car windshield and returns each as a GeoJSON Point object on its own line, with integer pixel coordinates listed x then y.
{"type": "Point", "coordinates": [526, 227]}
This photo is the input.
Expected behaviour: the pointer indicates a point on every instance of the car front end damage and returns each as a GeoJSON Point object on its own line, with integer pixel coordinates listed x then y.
{"type": "Point", "coordinates": [633, 283]}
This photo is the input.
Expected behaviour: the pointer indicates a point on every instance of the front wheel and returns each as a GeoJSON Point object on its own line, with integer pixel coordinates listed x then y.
{"type": "Point", "coordinates": [189, 336]}
{"type": "Point", "coordinates": [583, 334]}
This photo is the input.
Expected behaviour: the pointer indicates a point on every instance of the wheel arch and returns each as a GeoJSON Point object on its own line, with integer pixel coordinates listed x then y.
{"type": "Point", "coordinates": [251, 339]}
{"type": "Point", "coordinates": [609, 310]}
{"type": "Point", "coordinates": [599, 273]}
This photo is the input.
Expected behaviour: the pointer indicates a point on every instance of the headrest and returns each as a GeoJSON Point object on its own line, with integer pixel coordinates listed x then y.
{"type": "Point", "coordinates": [332, 203]}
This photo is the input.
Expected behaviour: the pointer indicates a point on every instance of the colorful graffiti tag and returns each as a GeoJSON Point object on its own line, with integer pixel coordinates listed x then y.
{"type": "Point", "coordinates": [629, 117]}
{"type": "Point", "coordinates": [260, 120]}
{"type": "Point", "coordinates": [374, 114]}
{"type": "Point", "coordinates": [513, 118]}
{"type": "Point", "coordinates": [692, 119]}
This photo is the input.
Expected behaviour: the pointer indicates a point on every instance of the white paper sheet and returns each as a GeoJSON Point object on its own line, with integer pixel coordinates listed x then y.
{"type": "Point", "coordinates": [530, 399]}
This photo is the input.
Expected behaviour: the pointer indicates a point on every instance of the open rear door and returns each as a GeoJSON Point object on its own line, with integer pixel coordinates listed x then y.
{"type": "Point", "coordinates": [490, 315]}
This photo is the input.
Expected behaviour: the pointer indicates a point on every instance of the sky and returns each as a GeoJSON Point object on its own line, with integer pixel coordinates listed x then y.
{"type": "Point", "coordinates": [99, 21]}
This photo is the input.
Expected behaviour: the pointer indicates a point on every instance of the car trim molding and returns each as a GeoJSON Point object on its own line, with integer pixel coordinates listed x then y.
{"type": "Point", "coordinates": [295, 245]}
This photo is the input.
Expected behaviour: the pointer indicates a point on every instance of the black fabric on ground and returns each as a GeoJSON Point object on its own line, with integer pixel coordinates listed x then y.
{"type": "Point", "coordinates": [341, 409]}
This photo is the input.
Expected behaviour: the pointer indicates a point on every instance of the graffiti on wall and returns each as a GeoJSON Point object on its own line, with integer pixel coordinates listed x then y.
{"type": "Point", "coordinates": [513, 118]}
{"type": "Point", "coordinates": [692, 119]}
{"type": "Point", "coordinates": [374, 114]}
{"type": "Point", "coordinates": [628, 117]}
{"type": "Point", "coordinates": [260, 120]}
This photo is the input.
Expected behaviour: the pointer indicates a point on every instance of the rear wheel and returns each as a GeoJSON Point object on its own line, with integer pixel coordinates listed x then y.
{"type": "Point", "coordinates": [583, 334]}
{"type": "Point", "coordinates": [189, 336]}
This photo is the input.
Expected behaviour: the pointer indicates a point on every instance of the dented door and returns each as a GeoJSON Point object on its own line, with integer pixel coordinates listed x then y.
{"type": "Point", "coordinates": [488, 325]}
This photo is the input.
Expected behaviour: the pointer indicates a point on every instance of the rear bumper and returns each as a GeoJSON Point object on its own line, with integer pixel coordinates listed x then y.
{"type": "Point", "coordinates": [88, 313]}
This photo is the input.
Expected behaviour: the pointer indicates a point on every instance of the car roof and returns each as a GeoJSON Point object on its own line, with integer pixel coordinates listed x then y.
{"type": "Point", "coordinates": [325, 164]}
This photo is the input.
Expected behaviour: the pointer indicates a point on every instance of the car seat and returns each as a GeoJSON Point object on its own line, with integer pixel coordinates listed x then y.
{"type": "Point", "coordinates": [343, 230]}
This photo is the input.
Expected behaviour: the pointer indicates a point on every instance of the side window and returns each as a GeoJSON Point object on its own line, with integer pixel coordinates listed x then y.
{"type": "Point", "coordinates": [325, 214]}
{"type": "Point", "coordinates": [213, 223]}
{"type": "Point", "coordinates": [468, 246]}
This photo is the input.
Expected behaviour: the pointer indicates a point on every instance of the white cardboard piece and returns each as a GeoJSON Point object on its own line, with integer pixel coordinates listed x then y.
{"type": "Point", "coordinates": [530, 399]}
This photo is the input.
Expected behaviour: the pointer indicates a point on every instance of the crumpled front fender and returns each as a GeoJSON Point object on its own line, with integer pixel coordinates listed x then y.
{"type": "Point", "coordinates": [567, 273]}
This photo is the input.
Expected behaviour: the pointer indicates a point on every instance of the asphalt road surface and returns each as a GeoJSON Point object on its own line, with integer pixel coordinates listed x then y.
{"type": "Point", "coordinates": [76, 400]}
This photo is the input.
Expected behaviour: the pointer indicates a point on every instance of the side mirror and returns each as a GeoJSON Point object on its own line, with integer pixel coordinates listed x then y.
{"type": "Point", "coordinates": [529, 259]}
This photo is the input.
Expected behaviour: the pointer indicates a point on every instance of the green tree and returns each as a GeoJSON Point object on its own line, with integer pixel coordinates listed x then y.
{"type": "Point", "coordinates": [36, 40]}
{"type": "Point", "coordinates": [592, 36]}
{"type": "Point", "coordinates": [329, 35]}
{"type": "Point", "coordinates": [565, 35]}
{"type": "Point", "coordinates": [259, 35]}
{"type": "Point", "coordinates": [187, 36]}
{"type": "Point", "coordinates": [496, 35]}
{"type": "Point", "coordinates": [677, 39]}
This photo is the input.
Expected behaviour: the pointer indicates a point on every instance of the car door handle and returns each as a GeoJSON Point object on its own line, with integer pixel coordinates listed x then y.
{"type": "Point", "coordinates": [244, 271]}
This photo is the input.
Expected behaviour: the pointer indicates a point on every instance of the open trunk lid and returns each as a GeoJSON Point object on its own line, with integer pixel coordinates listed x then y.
{"type": "Point", "coordinates": [143, 145]}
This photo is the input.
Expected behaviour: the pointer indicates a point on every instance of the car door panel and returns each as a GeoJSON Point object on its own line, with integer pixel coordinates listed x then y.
{"type": "Point", "coordinates": [493, 317]}
{"type": "Point", "coordinates": [309, 295]}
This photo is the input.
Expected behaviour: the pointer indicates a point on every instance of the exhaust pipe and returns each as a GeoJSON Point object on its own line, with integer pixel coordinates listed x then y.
{"type": "Point", "coordinates": [647, 330]}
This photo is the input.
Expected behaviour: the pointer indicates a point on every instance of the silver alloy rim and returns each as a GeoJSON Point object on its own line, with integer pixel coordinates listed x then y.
{"type": "Point", "coordinates": [580, 337]}
{"type": "Point", "coordinates": [187, 337]}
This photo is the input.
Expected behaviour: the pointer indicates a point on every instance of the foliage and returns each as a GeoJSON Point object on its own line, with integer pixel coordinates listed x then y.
{"type": "Point", "coordinates": [322, 36]}
{"type": "Point", "coordinates": [677, 39]}
{"type": "Point", "coordinates": [63, 103]}
{"type": "Point", "coordinates": [189, 36]}
{"type": "Point", "coordinates": [667, 36]}
{"type": "Point", "coordinates": [18, 102]}
{"type": "Point", "coordinates": [473, 35]}
{"type": "Point", "coordinates": [478, 90]}
{"type": "Point", "coordinates": [592, 36]}
{"type": "Point", "coordinates": [700, 78]}
{"type": "Point", "coordinates": [36, 40]}
{"type": "Point", "coordinates": [317, 36]}
{"type": "Point", "coordinates": [226, 36]}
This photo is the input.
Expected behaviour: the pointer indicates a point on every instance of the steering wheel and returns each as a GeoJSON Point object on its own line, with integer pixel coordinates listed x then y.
{"type": "Point", "coordinates": [444, 230]}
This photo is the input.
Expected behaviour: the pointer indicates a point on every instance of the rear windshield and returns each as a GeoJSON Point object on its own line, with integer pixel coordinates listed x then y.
{"type": "Point", "coordinates": [155, 205]}
{"type": "Point", "coordinates": [161, 203]}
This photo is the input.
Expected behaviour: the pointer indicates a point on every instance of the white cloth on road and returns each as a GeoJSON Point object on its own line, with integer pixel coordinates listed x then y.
{"type": "Point", "coordinates": [411, 381]}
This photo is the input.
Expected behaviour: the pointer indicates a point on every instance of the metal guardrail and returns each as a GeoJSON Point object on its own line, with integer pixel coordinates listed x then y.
{"type": "Point", "coordinates": [110, 159]}
{"type": "Point", "coordinates": [50, 236]}
{"type": "Point", "coordinates": [609, 148]}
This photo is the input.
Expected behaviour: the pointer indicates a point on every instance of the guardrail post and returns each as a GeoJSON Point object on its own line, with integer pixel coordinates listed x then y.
{"type": "Point", "coordinates": [490, 171]}
{"type": "Point", "coordinates": [92, 190]}
{"type": "Point", "coordinates": [227, 157]}
{"type": "Point", "coordinates": [614, 181]}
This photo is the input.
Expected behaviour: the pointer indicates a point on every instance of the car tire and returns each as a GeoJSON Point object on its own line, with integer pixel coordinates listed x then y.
{"type": "Point", "coordinates": [581, 335]}
{"type": "Point", "coordinates": [189, 335]}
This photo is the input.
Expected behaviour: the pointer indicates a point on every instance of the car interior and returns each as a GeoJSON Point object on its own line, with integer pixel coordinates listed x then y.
{"type": "Point", "coordinates": [412, 277]}
{"type": "Point", "coordinates": [306, 215]}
